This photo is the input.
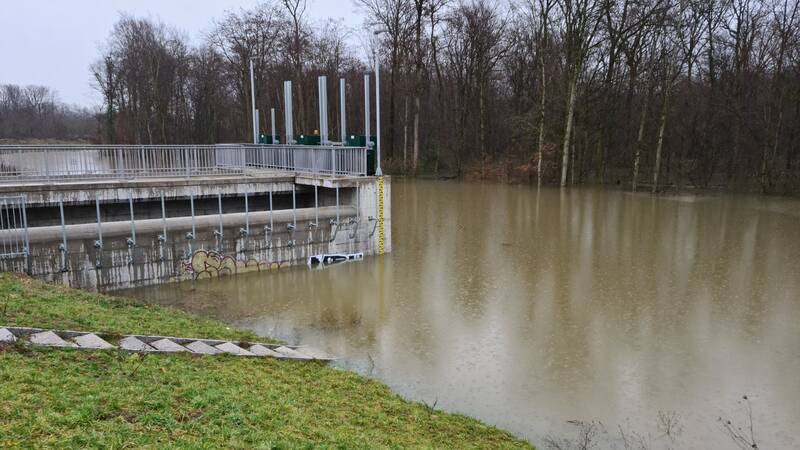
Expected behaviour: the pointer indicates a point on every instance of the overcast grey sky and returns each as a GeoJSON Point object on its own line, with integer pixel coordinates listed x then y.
{"type": "Point", "coordinates": [53, 42]}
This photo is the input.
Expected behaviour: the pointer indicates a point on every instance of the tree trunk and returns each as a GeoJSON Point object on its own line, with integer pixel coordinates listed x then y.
{"type": "Point", "coordinates": [415, 158]}
{"type": "Point", "coordinates": [638, 150]}
{"type": "Point", "coordinates": [405, 133]}
{"type": "Point", "coordinates": [573, 86]}
{"type": "Point", "coordinates": [542, 105]}
{"type": "Point", "coordinates": [660, 144]}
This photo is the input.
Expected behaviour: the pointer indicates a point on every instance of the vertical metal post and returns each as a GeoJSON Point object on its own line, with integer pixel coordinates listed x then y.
{"type": "Point", "coordinates": [63, 246]}
{"type": "Point", "coordinates": [219, 203]}
{"type": "Point", "coordinates": [272, 117]}
{"type": "Point", "coordinates": [28, 259]}
{"type": "Point", "coordinates": [270, 212]}
{"type": "Point", "coordinates": [287, 102]}
{"type": "Point", "coordinates": [378, 170]}
{"type": "Point", "coordinates": [316, 207]}
{"type": "Point", "coordinates": [258, 126]}
{"type": "Point", "coordinates": [163, 219]}
{"type": "Point", "coordinates": [246, 214]}
{"type": "Point", "coordinates": [191, 203]}
{"type": "Point", "coordinates": [294, 207]}
{"type": "Point", "coordinates": [322, 83]}
{"type": "Point", "coordinates": [366, 108]}
{"type": "Point", "coordinates": [342, 111]}
{"type": "Point", "coordinates": [253, 102]}
{"type": "Point", "coordinates": [133, 220]}
{"type": "Point", "coordinates": [337, 205]}
{"type": "Point", "coordinates": [99, 224]}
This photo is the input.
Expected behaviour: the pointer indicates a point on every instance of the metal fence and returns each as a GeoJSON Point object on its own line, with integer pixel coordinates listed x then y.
{"type": "Point", "coordinates": [321, 159]}
{"type": "Point", "coordinates": [13, 227]}
{"type": "Point", "coordinates": [36, 163]}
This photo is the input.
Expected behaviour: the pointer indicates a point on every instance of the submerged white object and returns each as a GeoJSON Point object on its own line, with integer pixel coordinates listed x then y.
{"type": "Point", "coordinates": [334, 258]}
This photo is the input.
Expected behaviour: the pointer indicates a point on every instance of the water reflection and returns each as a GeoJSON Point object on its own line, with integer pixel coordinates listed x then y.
{"type": "Point", "coordinates": [530, 308]}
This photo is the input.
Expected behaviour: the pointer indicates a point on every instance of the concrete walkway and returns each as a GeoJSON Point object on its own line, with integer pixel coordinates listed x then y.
{"type": "Point", "coordinates": [154, 344]}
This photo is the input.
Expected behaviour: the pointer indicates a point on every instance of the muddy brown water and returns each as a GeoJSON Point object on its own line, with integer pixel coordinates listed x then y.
{"type": "Point", "coordinates": [531, 308]}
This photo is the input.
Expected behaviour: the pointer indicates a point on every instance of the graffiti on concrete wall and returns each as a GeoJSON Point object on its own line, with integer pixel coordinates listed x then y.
{"type": "Point", "coordinates": [209, 264]}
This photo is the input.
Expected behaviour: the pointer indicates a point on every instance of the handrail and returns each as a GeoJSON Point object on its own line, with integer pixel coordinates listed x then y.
{"type": "Point", "coordinates": [75, 162]}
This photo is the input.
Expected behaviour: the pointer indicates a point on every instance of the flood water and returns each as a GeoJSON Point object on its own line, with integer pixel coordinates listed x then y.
{"type": "Point", "coordinates": [528, 309]}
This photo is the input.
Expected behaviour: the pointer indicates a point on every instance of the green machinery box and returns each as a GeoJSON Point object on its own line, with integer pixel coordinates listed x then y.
{"type": "Point", "coordinates": [355, 140]}
{"type": "Point", "coordinates": [267, 139]}
{"type": "Point", "coordinates": [308, 139]}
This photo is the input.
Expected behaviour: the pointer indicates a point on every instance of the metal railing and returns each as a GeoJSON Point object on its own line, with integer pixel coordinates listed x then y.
{"type": "Point", "coordinates": [317, 159]}
{"type": "Point", "coordinates": [13, 227]}
{"type": "Point", "coordinates": [50, 163]}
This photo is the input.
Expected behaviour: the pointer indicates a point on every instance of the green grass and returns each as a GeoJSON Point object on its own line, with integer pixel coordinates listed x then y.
{"type": "Point", "coordinates": [110, 399]}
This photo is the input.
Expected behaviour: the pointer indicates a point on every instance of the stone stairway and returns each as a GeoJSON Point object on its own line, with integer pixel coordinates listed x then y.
{"type": "Point", "coordinates": [155, 344]}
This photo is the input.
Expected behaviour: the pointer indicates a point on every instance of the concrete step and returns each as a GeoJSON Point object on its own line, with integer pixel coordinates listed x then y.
{"type": "Point", "coordinates": [134, 344]}
{"type": "Point", "coordinates": [233, 349]}
{"type": "Point", "coordinates": [50, 339]}
{"type": "Point", "coordinates": [166, 345]}
{"type": "Point", "coordinates": [93, 341]}
{"type": "Point", "coordinates": [7, 336]}
{"type": "Point", "coordinates": [260, 350]}
{"type": "Point", "coordinates": [202, 348]}
{"type": "Point", "coordinates": [160, 344]}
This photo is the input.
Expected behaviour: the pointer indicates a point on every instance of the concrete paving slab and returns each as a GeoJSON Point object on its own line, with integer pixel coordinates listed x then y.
{"type": "Point", "coordinates": [50, 339]}
{"type": "Point", "coordinates": [165, 345]}
{"type": "Point", "coordinates": [260, 350]}
{"type": "Point", "coordinates": [233, 349]}
{"type": "Point", "coordinates": [133, 344]}
{"type": "Point", "coordinates": [7, 336]}
{"type": "Point", "coordinates": [91, 340]}
{"type": "Point", "coordinates": [290, 353]}
{"type": "Point", "coordinates": [202, 348]}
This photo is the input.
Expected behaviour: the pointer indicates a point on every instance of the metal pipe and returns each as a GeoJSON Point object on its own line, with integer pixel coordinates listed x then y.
{"type": "Point", "coordinates": [163, 220]}
{"type": "Point", "coordinates": [342, 111]}
{"type": "Point", "coordinates": [133, 220]}
{"type": "Point", "coordinates": [25, 227]}
{"type": "Point", "coordinates": [253, 101]}
{"type": "Point", "coordinates": [258, 125]}
{"type": "Point", "coordinates": [219, 203]}
{"type": "Point", "coordinates": [294, 208]}
{"type": "Point", "coordinates": [63, 225]}
{"type": "Point", "coordinates": [322, 84]}
{"type": "Point", "coordinates": [272, 116]}
{"type": "Point", "coordinates": [366, 109]}
{"type": "Point", "coordinates": [378, 170]}
{"type": "Point", "coordinates": [191, 203]}
{"type": "Point", "coordinates": [63, 246]}
{"type": "Point", "coordinates": [287, 102]}
{"type": "Point", "coordinates": [270, 212]}
{"type": "Point", "coordinates": [246, 214]}
{"type": "Point", "coordinates": [99, 243]}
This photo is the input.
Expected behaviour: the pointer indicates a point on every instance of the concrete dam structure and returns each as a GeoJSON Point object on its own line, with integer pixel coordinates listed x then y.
{"type": "Point", "coordinates": [106, 217]}
{"type": "Point", "coordinates": [112, 234]}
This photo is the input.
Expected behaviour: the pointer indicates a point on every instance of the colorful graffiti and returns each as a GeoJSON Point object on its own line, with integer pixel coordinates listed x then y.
{"type": "Point", "coordinates": [209, 264]}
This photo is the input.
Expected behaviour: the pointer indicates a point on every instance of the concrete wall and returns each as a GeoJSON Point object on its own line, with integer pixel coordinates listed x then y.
{"type": "Point", "coordinates": [119, 264]}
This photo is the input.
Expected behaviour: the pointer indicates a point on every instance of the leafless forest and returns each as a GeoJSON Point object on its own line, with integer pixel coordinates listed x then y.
{"type": "Point", "coordinates": [34, 112]}
{"type": "Point", "coordinates": [642, 93]}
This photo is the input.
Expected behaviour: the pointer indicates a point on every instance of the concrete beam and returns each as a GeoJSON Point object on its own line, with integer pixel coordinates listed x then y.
{"type": "Point", "coordinates": [334, 182]}
{"type": "Point", "coordinates": [153, 226]}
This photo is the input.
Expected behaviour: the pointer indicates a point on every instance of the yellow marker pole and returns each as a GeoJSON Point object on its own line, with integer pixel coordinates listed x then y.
{"type": "Point", "coordinates": [380, 215]}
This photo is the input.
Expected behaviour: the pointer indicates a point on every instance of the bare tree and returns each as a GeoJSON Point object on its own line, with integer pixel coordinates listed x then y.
{"type": "Point", "coordinates": [581, 19]}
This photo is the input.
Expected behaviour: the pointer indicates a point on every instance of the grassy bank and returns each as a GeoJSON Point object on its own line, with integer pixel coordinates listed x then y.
{"type": "Point", "coordinates": [74, 398]}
